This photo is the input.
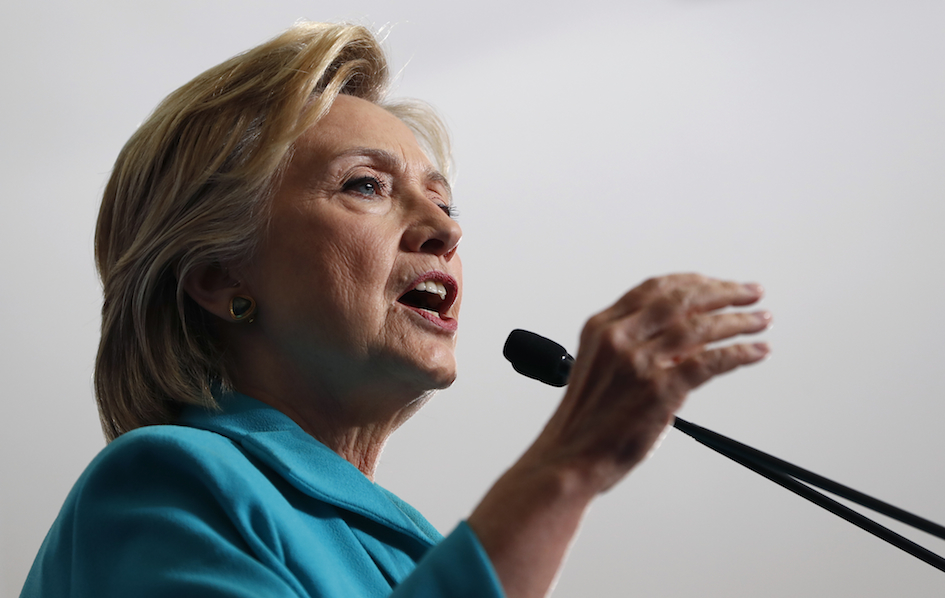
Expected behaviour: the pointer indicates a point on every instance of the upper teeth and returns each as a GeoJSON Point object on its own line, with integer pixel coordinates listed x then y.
{"type": "Point", "coordinates": [432, 287]}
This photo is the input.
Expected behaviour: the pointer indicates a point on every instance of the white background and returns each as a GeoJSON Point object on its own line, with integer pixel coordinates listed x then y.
{"type": "Point", "coordinates": [796, 143]}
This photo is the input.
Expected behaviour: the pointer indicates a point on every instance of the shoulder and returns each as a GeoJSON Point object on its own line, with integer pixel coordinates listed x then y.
{"type": "Point", "coordinates": [176, 442]}
{"type": "Point", "coordinates": [176, 507]}
{"type": "Point", "coordinates": [172, 438]}
{"type": "Point", "coordinates": [168, 472]}
{"type": "Point", "coordinates": [167, 454]}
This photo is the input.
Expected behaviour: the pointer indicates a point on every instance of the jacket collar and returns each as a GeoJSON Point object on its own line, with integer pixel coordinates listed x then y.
{"type": "Point", "coordinates": [306, 463]}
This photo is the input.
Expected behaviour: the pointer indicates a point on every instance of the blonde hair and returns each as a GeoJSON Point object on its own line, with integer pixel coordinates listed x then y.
{"type": "Point", "coordinates": [191, 188]}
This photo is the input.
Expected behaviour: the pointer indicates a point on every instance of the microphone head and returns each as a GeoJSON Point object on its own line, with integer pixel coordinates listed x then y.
{"type": "Point", "coordinates": [538, 357]}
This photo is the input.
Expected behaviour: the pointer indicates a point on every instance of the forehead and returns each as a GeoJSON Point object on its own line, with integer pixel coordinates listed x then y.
{"type": "Point", "coordinates": [354, 123]}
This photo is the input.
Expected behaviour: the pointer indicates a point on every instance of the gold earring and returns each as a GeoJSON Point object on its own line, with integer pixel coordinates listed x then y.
{"type": "Point", "coordinates": [242, 308]}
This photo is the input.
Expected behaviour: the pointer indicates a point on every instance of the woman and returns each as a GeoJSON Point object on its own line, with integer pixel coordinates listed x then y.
{"type": "Point", "coordinates": [282, 291]}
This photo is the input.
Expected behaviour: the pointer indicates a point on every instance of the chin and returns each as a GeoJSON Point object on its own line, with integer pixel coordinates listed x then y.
{"type": "Point", "coordinates": [440, 377]}
{"type": "Point", "coordinates": [447, 380]}
{"type": "Point", "coordinates": [435, 374]}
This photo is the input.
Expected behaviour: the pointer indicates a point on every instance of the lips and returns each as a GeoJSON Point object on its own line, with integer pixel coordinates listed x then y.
{"type": "Point", "coordinates": [431, 295]}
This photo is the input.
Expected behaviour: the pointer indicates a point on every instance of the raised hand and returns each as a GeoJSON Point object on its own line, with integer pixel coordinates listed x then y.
{"type": "Point", "coordinates": [637, 362]}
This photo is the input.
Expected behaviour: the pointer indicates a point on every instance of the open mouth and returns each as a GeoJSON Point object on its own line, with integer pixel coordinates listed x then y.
{"type": "Point", "coordinates": [432, 293]}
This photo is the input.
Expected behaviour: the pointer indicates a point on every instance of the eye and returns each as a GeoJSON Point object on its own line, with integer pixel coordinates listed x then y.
{"type": "Point", "coordinates": [365, 185]}
{"type": "Point", "coordinates": [449, 210]}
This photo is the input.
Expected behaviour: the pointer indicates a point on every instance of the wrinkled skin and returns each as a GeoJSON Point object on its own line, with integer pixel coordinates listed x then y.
{"type": "Point", "coordinates": [358, 217]}
{"type": "Point", "coordinates": [637, 362]}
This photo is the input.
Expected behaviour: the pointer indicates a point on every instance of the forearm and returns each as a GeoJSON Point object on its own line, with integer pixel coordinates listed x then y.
{"type": "Point", "coordinates": [526, 523]}
{"type": "Point", "coordinates": [637, 362]}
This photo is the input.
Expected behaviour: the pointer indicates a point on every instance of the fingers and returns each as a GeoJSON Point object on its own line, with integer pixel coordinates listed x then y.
{"type": "Point", "coordinates": [685, 292]}
{"type": "Point", "coordinates": [661, 328]}
{"type": "Point", "coordinates": [668, 302]}
{"type": "Point", "coordinates": [700, 330]}
{"type": "Point", "coordinates": [636, 364]}
{"type": "Point", "coordinates": [700, 368]}
{"type": "Point", "coordinates": [672, 314]}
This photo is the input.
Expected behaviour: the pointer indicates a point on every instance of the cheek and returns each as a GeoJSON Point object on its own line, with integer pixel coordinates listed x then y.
{"type": "Point", "coordinates": [357, 265]}
{"type": "Point", "coordinates": [327, 275]}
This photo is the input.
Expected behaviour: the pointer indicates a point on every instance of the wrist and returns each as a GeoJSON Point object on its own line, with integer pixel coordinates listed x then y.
{"type": "Point", "coordinates": [527, 521]}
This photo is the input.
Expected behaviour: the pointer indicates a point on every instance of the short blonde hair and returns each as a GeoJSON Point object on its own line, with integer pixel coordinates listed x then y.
{"type": "Point", "coordinates": [192, 187]}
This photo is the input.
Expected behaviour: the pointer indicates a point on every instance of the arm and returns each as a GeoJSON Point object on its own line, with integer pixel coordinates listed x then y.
{"type": "Point", "coordinates": [637, 361]}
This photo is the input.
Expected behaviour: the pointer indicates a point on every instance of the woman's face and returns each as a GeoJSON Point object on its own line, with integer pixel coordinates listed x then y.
{"type": "Point", "coordinates": [359, 223]}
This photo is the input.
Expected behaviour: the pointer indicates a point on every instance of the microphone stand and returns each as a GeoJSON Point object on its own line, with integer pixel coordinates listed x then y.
{"type": "Point", "coordinates": [790, 476]}
{"type": "Point", "coordinates": [545, 360]}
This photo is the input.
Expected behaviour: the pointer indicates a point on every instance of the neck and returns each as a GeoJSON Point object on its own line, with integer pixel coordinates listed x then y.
{"type": "Point", "coordinates": [353, 421]}
{"type": "Point", "coordinates": [349, 404]}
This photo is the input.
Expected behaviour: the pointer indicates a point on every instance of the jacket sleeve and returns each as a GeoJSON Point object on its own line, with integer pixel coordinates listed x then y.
{"type": "Point", "coordinates": [457, 567]}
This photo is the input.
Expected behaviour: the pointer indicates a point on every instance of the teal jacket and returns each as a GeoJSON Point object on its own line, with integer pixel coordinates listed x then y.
{"type": "Point", "coordinates": [243, 503]}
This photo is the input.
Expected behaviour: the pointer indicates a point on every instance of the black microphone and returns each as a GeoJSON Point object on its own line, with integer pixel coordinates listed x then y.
{"type": "Point", "coordinates": [538, 357]}
{"type": "Point", "coordinates": [544, 360]}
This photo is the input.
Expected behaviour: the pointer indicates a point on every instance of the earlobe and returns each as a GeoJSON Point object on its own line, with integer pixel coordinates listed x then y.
{"type": "Point", "coordinates": [213, 288]}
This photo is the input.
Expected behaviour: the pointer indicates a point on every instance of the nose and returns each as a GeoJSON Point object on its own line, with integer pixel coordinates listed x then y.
{"type": "Point", "coordinates": [431, 230]}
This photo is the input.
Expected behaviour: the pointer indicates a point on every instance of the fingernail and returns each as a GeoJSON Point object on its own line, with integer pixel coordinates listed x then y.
{"type": "Point", "coordinates": [754, 287]}
{"type": "Point", "coordinates": [762, 348]}
{"type": "Point", "coordinates": [764, 317]}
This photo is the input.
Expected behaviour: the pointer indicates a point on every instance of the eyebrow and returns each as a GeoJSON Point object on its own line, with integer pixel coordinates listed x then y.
{"type": "Point", "coordinates": [394, 163]}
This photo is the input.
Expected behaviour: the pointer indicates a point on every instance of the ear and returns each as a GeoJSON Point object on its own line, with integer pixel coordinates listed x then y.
{"type": "Point", "coordinates": [212, 288]}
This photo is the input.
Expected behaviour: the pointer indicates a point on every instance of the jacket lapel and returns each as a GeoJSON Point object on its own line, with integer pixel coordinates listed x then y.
{"type": "Point", "coordinates": [306, 463]}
